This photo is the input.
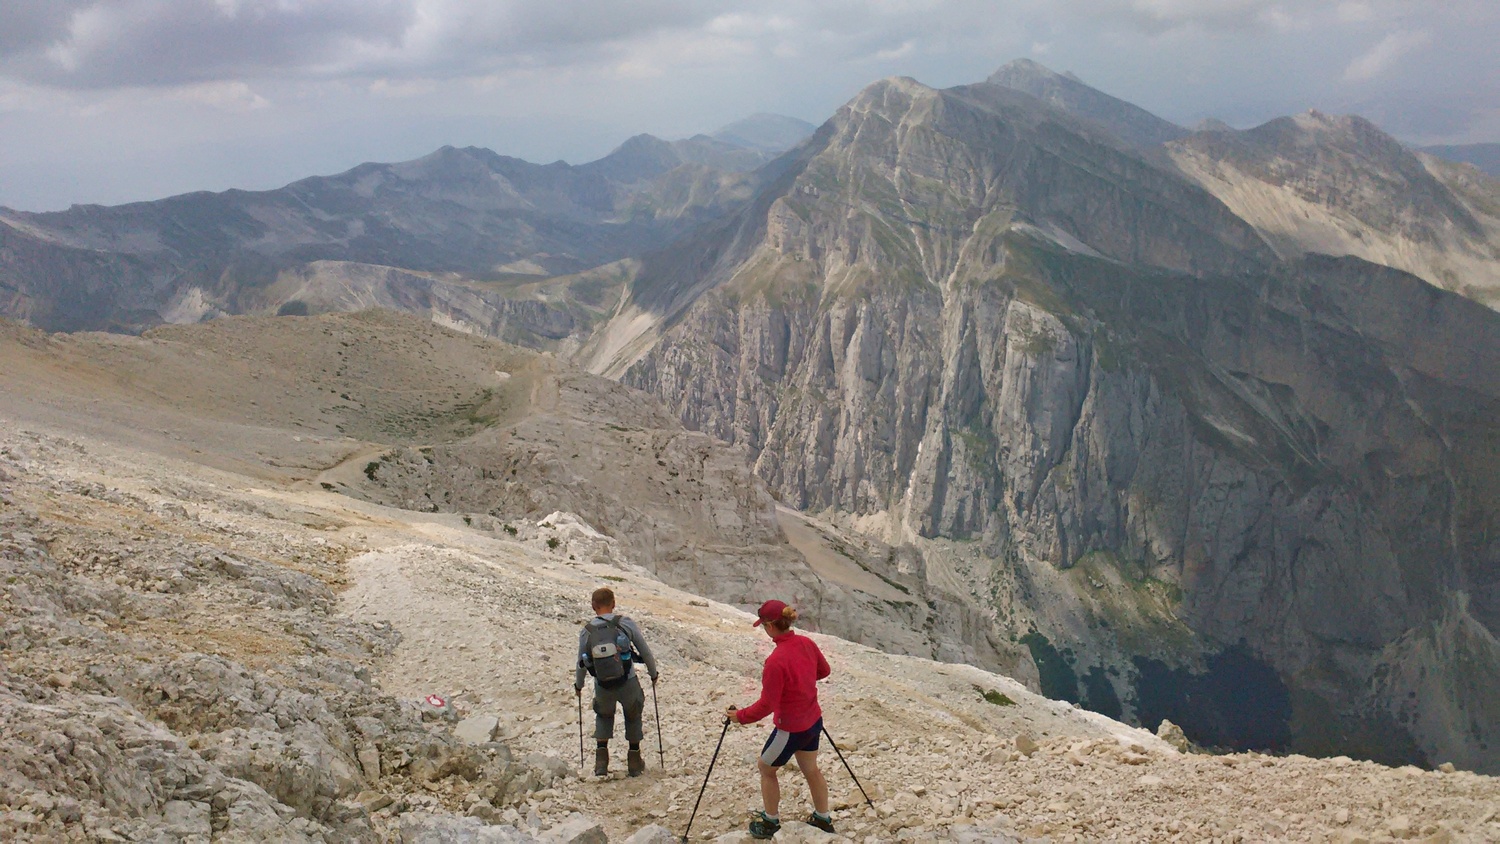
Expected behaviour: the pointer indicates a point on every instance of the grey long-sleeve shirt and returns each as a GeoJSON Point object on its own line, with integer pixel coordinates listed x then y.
{"type": "Point", "coordinates": [637, 642]}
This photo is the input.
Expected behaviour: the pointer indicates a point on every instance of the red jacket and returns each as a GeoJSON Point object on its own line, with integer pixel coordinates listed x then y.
{"type": "Point", "coordinates": [789, 685]}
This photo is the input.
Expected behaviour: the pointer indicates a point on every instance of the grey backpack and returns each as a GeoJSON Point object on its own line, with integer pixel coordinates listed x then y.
{"type": "Point", "coordinates": [608, 652]}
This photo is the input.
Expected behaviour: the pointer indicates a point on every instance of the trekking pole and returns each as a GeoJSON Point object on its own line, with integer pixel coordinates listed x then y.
{"type": "Point", "coordinates": [660, 753]}
{"type": "Point", "coordinates": [847, 768]}
{"type": "Point", "coordinates": [710, 773]}
{"type": "Point", "coordinates": [580, 729]}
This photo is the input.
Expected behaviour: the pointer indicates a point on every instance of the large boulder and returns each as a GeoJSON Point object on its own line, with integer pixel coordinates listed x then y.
{"type": "Point", "coordinates": [576, 829]}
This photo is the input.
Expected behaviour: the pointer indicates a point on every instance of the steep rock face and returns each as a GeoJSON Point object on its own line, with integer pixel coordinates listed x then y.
{"type": "Point", "coordinates": [1340, 186]}
{"type": "Point", "coordinates": [906, 194]}
{"type": "Point", "coordinates": [1260, 480]}
{"type": "Point", "coordinates": [896, 182]}
{"type": "Point", "coordinates": [1271, 480]}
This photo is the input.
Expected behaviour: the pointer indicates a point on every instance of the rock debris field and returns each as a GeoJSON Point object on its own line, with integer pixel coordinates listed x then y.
{"type": "Point", "coordinates": [189, 655]}
{"type": "Point", "coordinates": [201, 642]}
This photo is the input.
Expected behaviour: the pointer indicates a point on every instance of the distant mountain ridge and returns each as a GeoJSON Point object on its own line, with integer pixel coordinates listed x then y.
{"type": "Point", "coordinates": [470, 212]}
{"type": "Point", "coordinates": [1484, 156]}
{"type": "Point", "coordinates": [769, 133]}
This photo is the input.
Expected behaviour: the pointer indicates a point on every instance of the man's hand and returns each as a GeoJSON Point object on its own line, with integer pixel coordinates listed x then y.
{"type": "Point", "coordinates": [578, 690]}
{"type": "Point", "coordinates": [654, 678]}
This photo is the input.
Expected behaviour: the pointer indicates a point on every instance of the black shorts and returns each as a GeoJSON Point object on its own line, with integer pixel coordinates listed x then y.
{"type": "Point", "coordinates": [780, 745]}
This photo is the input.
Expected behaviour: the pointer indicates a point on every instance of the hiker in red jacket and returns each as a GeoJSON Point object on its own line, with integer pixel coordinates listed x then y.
{"type": "Point", "coordinates": [789, 688]}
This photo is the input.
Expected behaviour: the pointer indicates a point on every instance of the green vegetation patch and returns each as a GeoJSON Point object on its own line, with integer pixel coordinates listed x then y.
{"type": "Point", "coordinates": [997, 698]}
{"type": "Point", "coordinates": [1126, 599]}
{"type": "Point", "coordinates": [979, 447]}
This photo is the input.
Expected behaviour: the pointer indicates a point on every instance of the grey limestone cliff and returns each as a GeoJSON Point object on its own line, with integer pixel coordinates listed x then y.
{"type": "Point", "coordinates": [1198, 483]}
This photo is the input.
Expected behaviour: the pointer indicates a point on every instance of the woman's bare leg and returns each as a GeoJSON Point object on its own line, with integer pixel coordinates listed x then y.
{"type": "Point", "coordinates": [807, 760]}
{"type": "Point", "coordinates": [770, 788]}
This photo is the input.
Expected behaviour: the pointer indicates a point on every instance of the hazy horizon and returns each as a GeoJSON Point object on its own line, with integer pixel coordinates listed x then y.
{"type": "Point", "coordinates": [139, 99]}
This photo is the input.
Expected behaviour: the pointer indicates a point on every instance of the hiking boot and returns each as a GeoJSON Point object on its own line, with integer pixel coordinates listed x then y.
{"type": "Point", "coordinates": [825, 824]}
{"type": "Point", "coordinates": [634, 764]}
{"type": "Point", "coordinates": [601, 761]}
{"type": "Point", "coordinates": [763, 827]}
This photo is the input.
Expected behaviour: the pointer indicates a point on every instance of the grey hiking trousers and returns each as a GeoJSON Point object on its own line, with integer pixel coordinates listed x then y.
{"type": "Point", "coordinates": [631, 698]}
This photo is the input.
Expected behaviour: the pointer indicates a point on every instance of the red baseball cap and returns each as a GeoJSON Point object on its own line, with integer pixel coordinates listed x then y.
{"type": "Point", "coordinates": [769, 611]}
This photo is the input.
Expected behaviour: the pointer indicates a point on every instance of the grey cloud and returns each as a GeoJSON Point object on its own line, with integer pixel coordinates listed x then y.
{"type": "Point", "coordinates": [463, 38]}
{"type": "Point", "coordinates": [105, 43]}
{"type": "Point", "coordinates": [29, 24]}
{"type": "Point", "coordinates": [110, 43]}
{"type": "Point", "coordinates": [538, 26]}
{"type": "Point", "coordinates": [1157, 16]}
{"type": "Point", "coordinates": [160, 42]}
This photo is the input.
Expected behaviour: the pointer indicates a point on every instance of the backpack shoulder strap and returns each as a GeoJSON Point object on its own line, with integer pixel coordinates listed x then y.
{"type": "Point", "coordinates": [619, 628]}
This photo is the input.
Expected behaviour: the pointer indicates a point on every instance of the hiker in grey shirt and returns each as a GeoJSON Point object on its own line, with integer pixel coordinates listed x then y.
{"type": "Point", "coordinates": [609, 645]}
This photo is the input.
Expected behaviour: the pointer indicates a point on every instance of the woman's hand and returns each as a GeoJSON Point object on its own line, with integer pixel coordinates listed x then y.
{"type": "Point", "coordinates": [729, 713]}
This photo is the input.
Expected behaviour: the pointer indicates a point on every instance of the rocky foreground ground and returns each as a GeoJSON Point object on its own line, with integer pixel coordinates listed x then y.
{"type": "Point", "coordinates": [202, 639]}
{"type": "Point", "coordinates": [193, 654]}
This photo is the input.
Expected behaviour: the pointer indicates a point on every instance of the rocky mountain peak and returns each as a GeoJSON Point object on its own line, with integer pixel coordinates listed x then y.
{"type": "Point", "coordinates": [1131, 123]}
{"type": "Point", "coordinates": [773, 133]}
{"type": "Point", "coordinates": [880, 91]}
{"type": "Point", "coordinates": [1338, 184]}
{"type": "Point", "coordinates": [641, 156]}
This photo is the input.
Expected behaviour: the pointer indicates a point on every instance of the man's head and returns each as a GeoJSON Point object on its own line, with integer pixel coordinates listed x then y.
{"type": "Point", "coordinates": [603, 600]}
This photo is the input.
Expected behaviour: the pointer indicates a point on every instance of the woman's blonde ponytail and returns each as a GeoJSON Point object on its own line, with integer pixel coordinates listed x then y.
{"type": "Point", "coordinates": [783, 624]}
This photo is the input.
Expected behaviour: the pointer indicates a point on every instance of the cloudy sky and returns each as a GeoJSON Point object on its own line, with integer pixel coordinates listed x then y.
{"type": "Point", "coordinates": [117, 100]}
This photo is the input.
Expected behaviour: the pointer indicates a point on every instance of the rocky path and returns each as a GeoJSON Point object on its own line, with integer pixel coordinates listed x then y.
{"type": "Point", "coordinates": [494, 622]}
